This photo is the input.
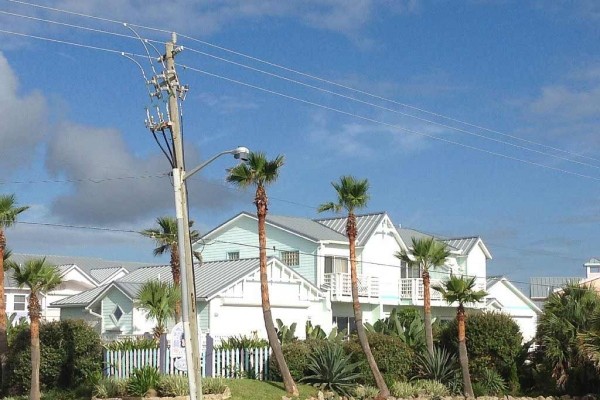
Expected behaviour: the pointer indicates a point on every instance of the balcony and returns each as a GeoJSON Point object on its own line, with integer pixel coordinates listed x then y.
{"type": "Point", "coordinates": [340, 286]}
{"type": "Point", "coordinates": [411, 289]}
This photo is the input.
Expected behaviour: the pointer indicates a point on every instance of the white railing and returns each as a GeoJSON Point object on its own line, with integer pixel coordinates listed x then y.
{"type": "Point", "coordinates": [339, 284]}
{"type": "Point", "coordinates": [412, 288]}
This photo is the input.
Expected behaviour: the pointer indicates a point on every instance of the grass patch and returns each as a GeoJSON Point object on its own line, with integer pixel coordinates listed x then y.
{"type": "Point", "coordinates": [249, 389]}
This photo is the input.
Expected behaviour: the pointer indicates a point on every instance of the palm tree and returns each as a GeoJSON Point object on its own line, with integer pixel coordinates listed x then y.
{"type": "Point", "coordinates": [426, 253]}
{"type": "Point", "coordinates": [460, 290]}
{"type": "Point", "coordinates": [259, 172]}
{"type": "Point", "coordinates": [352, 195]}
{"type": "Point", "coordinates": [159, 300]}
{"type": "Point", "coordinates": [165, 237]}
{"type": "Point", "coordinates": [40, 277]}
{"type": "Point", "coordinates": [8, 216]}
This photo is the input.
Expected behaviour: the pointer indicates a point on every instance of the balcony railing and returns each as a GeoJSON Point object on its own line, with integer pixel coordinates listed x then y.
{"type": "Point", "coordinates": [412, 289]}
{"type": "Point", "coordinates": [339, 285]}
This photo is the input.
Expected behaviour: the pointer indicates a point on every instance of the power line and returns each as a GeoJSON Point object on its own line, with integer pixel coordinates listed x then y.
{"type": "Point", "coordinates": [317, 78]}
{"type": "Point", "coordinates": [238, 82]}
{"type": "Point", "coordinates": [390, 109]}
{"type": "Point", "coordinates": [92, 180]}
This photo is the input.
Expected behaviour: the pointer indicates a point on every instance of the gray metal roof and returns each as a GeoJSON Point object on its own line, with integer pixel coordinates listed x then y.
{"type": "Point", "coordinates": [102, 274]}
{"type": "Point", "coordinates": [407, 235]}
{"type": "Point", "coordinates": [593, 260]}
{"type": "Point", "coordinates": [81, 299]}
{"type": "Point", "coordinates": [365, 224]}
{"type": "Point", "coordinates": [542, 287]}
{"type": "Point", "coordinates": [86, 264]}
{"type": "Point", "coordinates": [463, 244]}
{"type": "Point", "coordinates": [307, 227]}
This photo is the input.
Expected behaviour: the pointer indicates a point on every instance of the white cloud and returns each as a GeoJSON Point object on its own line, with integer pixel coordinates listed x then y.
{"type": "Point", "coordinates": [23, 120]}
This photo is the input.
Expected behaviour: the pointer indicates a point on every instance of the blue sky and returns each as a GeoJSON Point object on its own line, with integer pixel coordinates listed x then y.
{"type": "Point", "coordinates": [528, 72]}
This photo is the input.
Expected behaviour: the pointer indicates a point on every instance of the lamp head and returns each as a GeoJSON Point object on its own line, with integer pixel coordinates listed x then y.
{"type": "Point", "coordinates": [241, 153]}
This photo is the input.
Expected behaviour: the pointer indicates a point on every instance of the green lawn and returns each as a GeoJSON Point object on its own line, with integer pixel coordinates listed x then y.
{"type": "Point", "coordinates": [249, 389]}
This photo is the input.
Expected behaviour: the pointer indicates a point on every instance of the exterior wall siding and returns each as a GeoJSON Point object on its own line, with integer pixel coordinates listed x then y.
{"type": "Point", "coordinates": [81, 313]}
{"type": "Point", "coordinates": [245, 232]}
{"type": "Point", "coordinates": [111, 300]}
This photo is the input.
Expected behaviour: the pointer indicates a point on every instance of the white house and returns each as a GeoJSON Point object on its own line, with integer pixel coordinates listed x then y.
{"type": "Point", "coordinates": [318, 250]}
{"type": "Point", "coordinates": [228, 300]}
{"type": "Point", "coordinates": [506, 298]}
{"type": "Point", "coordinates": [78, 274]}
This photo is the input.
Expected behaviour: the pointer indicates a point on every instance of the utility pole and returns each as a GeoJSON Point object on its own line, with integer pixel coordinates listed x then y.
{"type": "Point", "coordinates": [188, 298]}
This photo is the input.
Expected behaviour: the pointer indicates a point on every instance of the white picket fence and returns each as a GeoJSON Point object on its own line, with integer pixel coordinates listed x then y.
{"type": "Point", "coordinates": [236, 363]}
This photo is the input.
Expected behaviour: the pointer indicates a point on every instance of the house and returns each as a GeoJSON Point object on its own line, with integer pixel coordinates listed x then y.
{"type": "Point", "coordinates": [78, 274]}
{"type": "Point", "coordinates": [541, 287]}
{"type": "Point", "coordinates": [228, 300]}
{"type": "Point", "coordinates": [318, 250]}
{"type": "Point", "coordinates": [506, 298]}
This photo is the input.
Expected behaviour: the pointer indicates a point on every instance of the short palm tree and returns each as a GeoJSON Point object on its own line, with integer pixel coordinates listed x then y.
{"type": "Point", "coordinates": [165, 237]}
{"type": "Point", "coordinates": [426, 253]}
{"type": "Point", "coordinates": [352, 194]}
{"type": "Point", "coordinates": [461, 290]}
{"type": "Point", "coordinates": [40, 277]}
{"type": "Point", "coordinates": [159, 300]}
{"type": "Point", "coordinates": [258, 171]}
{"type": "Point", "coordinates": [8, 216]}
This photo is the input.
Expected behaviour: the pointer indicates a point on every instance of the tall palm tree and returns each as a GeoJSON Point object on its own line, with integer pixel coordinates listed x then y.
{"type": "Point", "coordinates": [258, 171]}
{"type": "Point", "coordinates": [159, 300]}
{"type": "Point", "coordinates": [426, 253]}
{"type": "Point", "coordinates": [461, 290]}
{"type": "Point", "coordinates": [165, 237]}
{"type": "Point", "coordinates": [352, 195]}
{"type": "Point", "coordinates": [40, 277]}
{"type": "Point", "coordinates": [8, 216]}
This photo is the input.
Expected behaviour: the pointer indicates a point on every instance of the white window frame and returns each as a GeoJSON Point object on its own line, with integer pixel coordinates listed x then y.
{"type": "Point", "coordinates": [337, 264]}
{"type": "Point", "coordinates": [114, 318]}
{"type": "Point", "coordinates": [15, 302]}
{"type": "Point", "coordinates": [233, 255]}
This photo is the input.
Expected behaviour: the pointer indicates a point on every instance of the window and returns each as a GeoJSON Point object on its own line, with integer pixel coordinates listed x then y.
{"type": "Point", "coordinates": [594, 270]}
{"type": "Point", "coordinates": [336, 264]}
{"type": "Point", "coordinates": [290, 258]}
{"type": "Point", "coordinates": [346, 324]}
{"type": "Point", "coordinates": [233, 255]}
{"type": "Point", "coordinates": [117, 314]}
{"type": "Point", "coordinates": [408, 271]}
{"type": "Point", "coordinates": [19, 304]}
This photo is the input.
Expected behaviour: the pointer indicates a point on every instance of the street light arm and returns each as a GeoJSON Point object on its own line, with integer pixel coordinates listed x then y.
{"type": "Point", "coordinates": [239, 152]}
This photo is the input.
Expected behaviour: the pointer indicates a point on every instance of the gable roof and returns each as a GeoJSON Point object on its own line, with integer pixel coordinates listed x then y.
{"type": "Point", "coordinates": [542, 287]}
{"type": "Point", "coordinates": [592, 261]}
{"type": "Point", "coordinates": [458, 244]}
{"type": "Point", "coordinates": [493, 280]}
{"type": "Point", "coordinates": [407, 235]}
{"type": "Point", "coordinates": [365, 224]}
{"type": "Point", "coordinates": [307, 227]}
{"type": "Point", "coordinates": [102, 274]}
{"type": "Point", "coordinates": [84, 264]}
{"type": "Point", "coordinates": [210, 278]}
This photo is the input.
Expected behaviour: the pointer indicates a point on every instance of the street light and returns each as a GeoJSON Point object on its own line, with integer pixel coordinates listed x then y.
{"type": "Point", "coordinates": [189, 315]}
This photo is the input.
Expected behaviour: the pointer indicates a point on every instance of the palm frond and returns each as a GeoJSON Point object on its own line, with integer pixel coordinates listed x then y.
{"type": "Point", "coordinates": [8, 210]}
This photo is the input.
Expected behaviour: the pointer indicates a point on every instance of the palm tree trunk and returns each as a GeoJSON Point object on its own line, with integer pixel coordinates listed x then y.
{"type": "Point", "coordinates": [427, 310]}
{"type": "Point", "coordinates": [462, 352]}
{"type": "Point", "coordinates": [176, 273]}
{"type": "Point", "coordinates": [360, 329]}
{"type": "Point", "coordinates": [3, 321]}
{"type": "Point", "coordinates": [261, 211]}
{"type": "Point", "coordinates": [34, 316]}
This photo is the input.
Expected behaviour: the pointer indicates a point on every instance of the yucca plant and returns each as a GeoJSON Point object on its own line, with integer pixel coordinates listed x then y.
{"type": "Point", "coordinates": [173, 386]}
{"type": "Point", "coordinates": [439, 366]}
{"type": "Point", "coordinates": [330, 368]}
{"type": "Point", "coordinates": [490, 382]}
{"type": "Point", "coordinates": [142, 381]}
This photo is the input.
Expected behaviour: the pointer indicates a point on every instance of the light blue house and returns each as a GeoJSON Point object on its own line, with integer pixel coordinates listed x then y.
{"type": "Point", "coordinates": [318, 250]}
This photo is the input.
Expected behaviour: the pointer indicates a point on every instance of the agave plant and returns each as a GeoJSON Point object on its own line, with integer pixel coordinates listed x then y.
{"type": "Point", "coordinates": [142, 381]}
{"type": "Point", "coordinates": [331, 369]}
{"type": "Point", "coordinates": [439, 366]}
{"type": "Point", "coordinates": [491, 382]}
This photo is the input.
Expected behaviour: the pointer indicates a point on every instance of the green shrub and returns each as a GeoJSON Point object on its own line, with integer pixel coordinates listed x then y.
{"type": "Point", "coordinates": [296, 356]}
{"type": "Point", "coordinates": [490, 382]}
{"type": "Point", "coordinates": [430, 388]}
{"type": "Point", "coordinates": [402, 390]}
{"type": "Point", "coordinates": [393, 357]}
{"type": "Point", "coordinates": [142, 381]}
{"type": "Point", "coordinates": [173, 385]}
{"type": "Point", "coordinates": [493, 341]}
{"type": "Point", "coordinates": [330, 368]}
{"type": "Point", "coordinates": [70, 351]}
{"type": "Point", "coordinates": [367, 392]}
{"type": "Point", "coordinates": [439, 366]}
{"type": "Point", "coordinates": [242, 342]}
{"type": "Point", "coordinates": [213, 386]}
{"type": "Point", "coordinates": [132, 344]}
{"type": "Point", "coordinates": [110, 387]}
